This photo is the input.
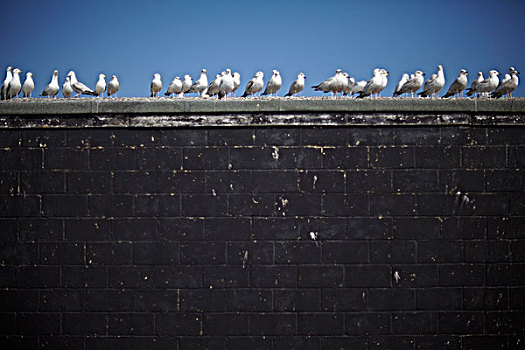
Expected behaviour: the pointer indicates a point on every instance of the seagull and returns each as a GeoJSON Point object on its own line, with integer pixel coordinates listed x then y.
{"type": "Point", "coordinates": [349, 87]}
{"type": "Point", "coordinates": [330, 84]}
{"type": "Point", "coordinates": [385, 75]}
{"type": "Point", "coordinates": [227, 84]}
{"type": "Point", "coordinates": [508, 86]}
{"type": "Point", "coordinates": [475, 83]}
{"type": "Point", "coordinates": [100, 87]}
{"type": "Point", "coordinates": [297, 86]}
{"type": "Point", "coordinates": [213, 88]}
{"type": "Point", "coordinates": [200, 85]}
{"type": "Point", "coordinates": [342, 83]}
{"type": "Point", "coordinates": [274, 84]}
{"type": "Point", "coordinates": [5, 84]}
{"type": "Point", "coordinates": [78, 87]}
{"type": "Point", "coordinates": [236, 81]}
{"type": "Point", "coordinates": [67, 89]}
{"type": "Point", "coordinates": [186, 85]}
{"type": "Point", "coordinates": [376, 84]}
{"type": "Point", "coordinates": [412, 85]}
{"type": "Point", "coordinates": [255, 85]}
{"type": "Point", "coordinates": [113, 86]}
{"type": "Point", "coordinates": [14, 87]}
{"type": "Point", "coordinates": [434, 85]}
{"type": "Point", "coordinates": [402, 82]}
{"type": "Point", "coordinates": [458, 85]}
{"type": "Point", "coordinates": [53, 87]}
{"type": "Point", "coordinates": [175, 87]}
{"type": "Point", "coordinates": [428, 82]}
{"type": "Point", "coordinates": [505, 78]}
{"type": "Point", "coordinates": [487, 85]}
{"type": "Point", "coordinates": [358, 87]}
{"type": "Point", "coordinates": [29, 85]}
{"type": "Point", "coordinates": [156, 85]}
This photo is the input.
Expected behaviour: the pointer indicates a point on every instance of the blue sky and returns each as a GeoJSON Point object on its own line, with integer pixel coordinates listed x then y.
{"type": "Point", "coordinates": [135, 39]}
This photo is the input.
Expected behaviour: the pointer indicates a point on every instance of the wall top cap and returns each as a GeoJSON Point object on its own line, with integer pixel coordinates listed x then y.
{"type": "Point", "coordinates": [172, 106]}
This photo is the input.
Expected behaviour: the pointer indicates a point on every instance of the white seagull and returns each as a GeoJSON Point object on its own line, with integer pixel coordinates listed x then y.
{"type": "Point", "coordinates": [331, 84]}
{"type": "Point", "coordinates": [67, 89]}
{"type": "Point", "coordinates": [100, 86]}
{"type": "Point", "coordinates": [458, 85]}
{"type": "Point", "coordinates": [475, 83]}
{"type": "Point", "coordinates": [156, 85]}
{"type": "Point", "coordinates": [15, 86]}
{"type": "Point", "coordinates": [434, 85]}
{"type": "Point", "coordinates": [200, 85]}
{"type": "Point", "coordinates": [358, 87]}
{"type": "Point", "coordinates": [213, 88]}
{"type": "Point", "coordinates": [78, 87]}
{"type": "Point", "coordinates": [274, 84]}
{"type": "Point", "coordinates": [349, 87]}
{"type": "Point", "coordinates": [255, 85]}
{"type": "Point", "coordinates": [236, 81]}
{"type": "Point", "coordinates": [412, 85]}
{"type": "Point", "coordinates": [175, 87]}
{"type": "Point", "coordinates": [113, 86]}
{"type": "Point", "coordinates": [227, 84]}
{"type": "Point", "coordinates": [506, 87]}
{"type": "Point", "coordinates": [29, 85]}
{"type": "Point", "coordinates": [402, 82]}
{"type": "Point", "coordinates": [186, 85]}
{"type": "Point", "coordinates": [297, 86]}
{"type": "Point", "coordinates": [5, 84]}
{"type": "Point", "coordinates": [487, 85]}
{"type": "Point", "coordinates": [376, 84]}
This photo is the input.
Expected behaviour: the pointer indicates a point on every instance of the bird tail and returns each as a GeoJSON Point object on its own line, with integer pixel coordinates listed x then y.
{"type": "Point", "coordinates": [264, 93]}
{"type": "Point", "coordinates": [152, 94]}
{"type": "Point", "coordinates": [245, 94]}
{"type": "Point", "coordinates": [26, 94]}
{"type": "Point", "coordinates": [92, 93]}
{"type": "Point", "coordinates": [470, 92]}
{"type": "Point", "coordinates": [448, 94]}
{"type": "Point", "coordinates": [221, 94]}
{"type": "Point", "coordinates": [288, 94]}
{"type": "Point", "coordinates": [395, 94]}
{"type": "Point", "coordinates": [167, 94]}
{"type": "Point", "coordinates": [362, 95]}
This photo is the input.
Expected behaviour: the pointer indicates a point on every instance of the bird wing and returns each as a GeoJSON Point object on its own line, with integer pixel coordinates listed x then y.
{"type": "Point", "coordinates": [81, 87]}
{"type": "Point", "coordinates": [249, 85]}
{"type": "Point", "coordinates": [293, 86]}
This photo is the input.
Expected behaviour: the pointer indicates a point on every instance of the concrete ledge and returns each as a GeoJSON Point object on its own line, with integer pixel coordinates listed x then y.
{"type": "Point", "coordinates": [195, 112]}
{"type": "Point", "coordinates": [42, 106]}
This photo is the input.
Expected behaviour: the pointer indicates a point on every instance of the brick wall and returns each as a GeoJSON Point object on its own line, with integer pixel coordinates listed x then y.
{"type": "Point", "coordinates": [196, 238]}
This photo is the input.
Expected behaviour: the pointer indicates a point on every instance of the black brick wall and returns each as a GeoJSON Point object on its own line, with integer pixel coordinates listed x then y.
{"type": "Point", "coordinates": [200, 238]}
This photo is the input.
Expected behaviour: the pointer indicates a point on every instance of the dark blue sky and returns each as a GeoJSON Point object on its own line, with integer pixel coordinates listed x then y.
{"type": "Point", "coordinates": [134, 39]}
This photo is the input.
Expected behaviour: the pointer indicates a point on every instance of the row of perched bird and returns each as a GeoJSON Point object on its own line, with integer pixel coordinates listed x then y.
{"type": "Point", "coordinates": [226, 84]}
{"type": "Point", "coordinates": [341, 82]}
{"type": "Point", "coordinates": [12, 85]}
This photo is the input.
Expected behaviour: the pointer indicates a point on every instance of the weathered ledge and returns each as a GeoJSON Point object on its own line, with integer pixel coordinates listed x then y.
{"type": "Point", "coordinates": [174, 112]}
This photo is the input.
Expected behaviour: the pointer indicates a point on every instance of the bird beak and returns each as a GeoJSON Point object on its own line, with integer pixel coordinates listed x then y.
{"type": "Point", "coordinates": [424, 74]}
{"type": "Point", "coordinates": [466, 73]}
{"type": "Point", "coordinates": [21, 71]}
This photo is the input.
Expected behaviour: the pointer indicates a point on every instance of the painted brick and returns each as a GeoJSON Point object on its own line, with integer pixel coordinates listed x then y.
{"type": "Point", "coordinates": [198, 238]}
